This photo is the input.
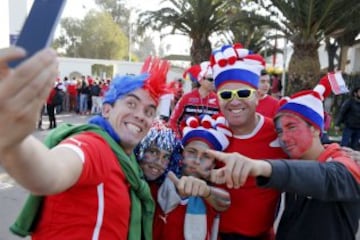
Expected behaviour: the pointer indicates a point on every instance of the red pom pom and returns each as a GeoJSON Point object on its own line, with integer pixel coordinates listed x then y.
{"type": "Point", "coordinates": [222, 62]}
{"type": "Point", "coordinates": [206, 124]}
{"type": "Point", "coordinates": [192, 122]}
{"type": "Point", "coordinates": [237, 45]}
{"type": "Point", "coordinates": [232, 60]}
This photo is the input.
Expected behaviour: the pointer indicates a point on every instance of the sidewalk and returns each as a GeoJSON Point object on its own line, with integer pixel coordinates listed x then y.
{"type": "Point", "coordinates": [60, 118]}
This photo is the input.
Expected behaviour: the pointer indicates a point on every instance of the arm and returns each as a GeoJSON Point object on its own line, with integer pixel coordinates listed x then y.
{"type": "Point", "coordinates": [330, 181]}
{"type": "Point", "coordinates": [342, 113]}
{"type": "Point", "coordinates": [41, 170]}
{"type": "Point", "coordinates": [23, 91]}
{"type": "Point", "coordinates": [176, 114]}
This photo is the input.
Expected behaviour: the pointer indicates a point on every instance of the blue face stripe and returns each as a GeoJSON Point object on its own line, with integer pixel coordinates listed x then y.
{"type": "Point", "coordinates": [237, 75]}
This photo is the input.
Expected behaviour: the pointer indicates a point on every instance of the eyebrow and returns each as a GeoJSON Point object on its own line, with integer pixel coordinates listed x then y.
{"type": "Point", "coordinates": [137, 98]}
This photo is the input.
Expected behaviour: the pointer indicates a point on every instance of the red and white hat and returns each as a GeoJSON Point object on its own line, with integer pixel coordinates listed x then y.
{"type": "Point", "coordinates": [234, 63]}
{"type": "Point", "coordinates": [308, 104]}
{"type": "Point", "coordinates": [205, 72]}
{"type": "Point", "coordinates": [212, 130]}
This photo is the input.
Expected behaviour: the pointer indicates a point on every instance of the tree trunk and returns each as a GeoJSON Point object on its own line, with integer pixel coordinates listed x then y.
{"type": "Point", "coordinates": [200, 49]}
{"type": "Point", "coordinates": [343, 57]}
{"type": "Point", "coordinates": [304, 68]}
{"type": "Point", "coordinates": [331, 49]}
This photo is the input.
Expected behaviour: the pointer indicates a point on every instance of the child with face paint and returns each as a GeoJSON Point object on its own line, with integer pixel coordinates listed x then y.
{"type": "Point", "coordinates": [322, 188]}
{"type": "Point", "coordinates": [197, 212]}
{"type": "Point", "coordinates": [158, 153]}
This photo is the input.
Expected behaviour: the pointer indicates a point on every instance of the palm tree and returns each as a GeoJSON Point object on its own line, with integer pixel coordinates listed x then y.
{"type": "Point", "coordinates": [306, 23]}
{"type": "Point", "coordinates": [254, 31]}
{"type": "Point", "coordinates": [197, 19]}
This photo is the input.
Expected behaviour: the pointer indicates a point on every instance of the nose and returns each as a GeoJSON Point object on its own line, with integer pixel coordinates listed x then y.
{"type": "Point", "coordinates": [197, 160]}
{"type": "Point", "coordinates": [140, 115]}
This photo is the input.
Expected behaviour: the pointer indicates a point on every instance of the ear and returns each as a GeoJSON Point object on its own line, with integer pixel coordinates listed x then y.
{"type": "Point", "coordinates": [315, 131]}
{"type": "Point", "coordinates": [106, 109]}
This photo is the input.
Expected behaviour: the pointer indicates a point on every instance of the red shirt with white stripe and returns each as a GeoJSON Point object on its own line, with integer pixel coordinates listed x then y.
{"type": "Point", "coordinates": [97, 206]}
{"type": "Point", "coordinates": [252, 210]}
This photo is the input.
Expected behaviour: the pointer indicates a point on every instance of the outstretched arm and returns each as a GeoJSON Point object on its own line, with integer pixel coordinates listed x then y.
{"type": "Point", "coordinates": [237, 169]}
{"type": "Point", "coordinates": [23, 91]}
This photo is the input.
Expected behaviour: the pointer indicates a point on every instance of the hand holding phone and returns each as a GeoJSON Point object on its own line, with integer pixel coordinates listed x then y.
{"type": "Point", "coordinates": [39, 27]}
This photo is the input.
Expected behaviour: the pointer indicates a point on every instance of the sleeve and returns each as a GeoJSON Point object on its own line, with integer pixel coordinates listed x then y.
{"type": "Point", "coordinates": [330, 181]}
{"type": "Point", "coordinates": [90, 149]}
{"type": "Point", "coordinates": [343, 112]}
{"type": "Point", "coordinates": [175, 116]}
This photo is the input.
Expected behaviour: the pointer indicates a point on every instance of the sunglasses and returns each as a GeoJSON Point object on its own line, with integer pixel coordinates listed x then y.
{"type": "Point", "coordinates": [241, 93]}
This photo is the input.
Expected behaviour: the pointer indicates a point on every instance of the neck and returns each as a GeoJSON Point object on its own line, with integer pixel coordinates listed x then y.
{"type": "Point", "coordinates": [203, 92]}
{"type": "Point", "coordinates": [246, 128]}
{"type": "Point", "coordinates": [127, 149]}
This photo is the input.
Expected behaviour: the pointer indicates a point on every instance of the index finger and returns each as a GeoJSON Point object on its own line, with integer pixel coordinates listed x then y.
{"type": "Point", "coordinates": [11, 53]}
{"type": "Point", "coordinates": [173, 178]}
{"type": "Point", "coordinates": [222, 157]}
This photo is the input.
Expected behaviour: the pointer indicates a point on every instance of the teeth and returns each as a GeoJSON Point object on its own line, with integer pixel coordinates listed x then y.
{"type": "Point", "coordinates": [133, 128]}
{"type": "Point", "coordinates": [237, 110]}
{"type": "Point", "coordinates": [154, 170]}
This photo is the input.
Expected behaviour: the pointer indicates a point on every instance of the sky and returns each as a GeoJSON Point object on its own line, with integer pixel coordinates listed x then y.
{"type": "Point", "coordinates": [79, 8]}
{"type": "Point", "coordinates": [177, 44]}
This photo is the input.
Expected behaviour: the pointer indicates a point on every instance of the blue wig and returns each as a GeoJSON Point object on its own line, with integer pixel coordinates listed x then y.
{"type": "Point", "coordinates": [122, 85]}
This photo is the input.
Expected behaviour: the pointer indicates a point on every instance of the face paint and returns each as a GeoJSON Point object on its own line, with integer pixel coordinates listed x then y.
{"type": "Point", "coordinates": [196, 162]}
{"type": "Point", "coordinates": [155, 162]}
{"type": "Point", "coordinates": [295, 135]}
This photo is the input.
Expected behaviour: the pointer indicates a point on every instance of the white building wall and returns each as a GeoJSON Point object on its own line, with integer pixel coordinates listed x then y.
{"type": "Point", "coordinates": [18, 11]}
{"type": "Point", "coordinates": [4, 23]}
{"type": "Point", "coordinates": [83, 66]}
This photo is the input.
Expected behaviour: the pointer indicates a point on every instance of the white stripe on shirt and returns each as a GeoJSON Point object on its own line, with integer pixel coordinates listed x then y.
{"type": "Point", "coordinates": [100, 213]}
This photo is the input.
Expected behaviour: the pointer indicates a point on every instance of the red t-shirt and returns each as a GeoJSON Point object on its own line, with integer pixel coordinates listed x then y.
{"type": "Point", "coordinates": [97, 206]}
{"type": "Point", "coordinates": [252, 209]}
{"type": "Point", "coordinates": [267, 106]}
{"type": "Point", "coordinates": [171, 226]}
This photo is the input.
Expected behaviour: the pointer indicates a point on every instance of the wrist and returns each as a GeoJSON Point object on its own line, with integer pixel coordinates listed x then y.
{"type": "Point", "coordinates": [263, 169]}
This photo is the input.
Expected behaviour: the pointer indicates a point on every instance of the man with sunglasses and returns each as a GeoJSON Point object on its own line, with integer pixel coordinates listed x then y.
{"type": "Point", "coordinates": [322, 187]}
{"type": "Point", "coordinates": [201, 100]}
{"type": "Point", "coordinates": [236, 73]}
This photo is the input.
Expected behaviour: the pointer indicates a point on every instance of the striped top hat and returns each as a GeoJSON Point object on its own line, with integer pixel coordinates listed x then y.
{"type": "Point", "coordinates": [234, 63]}
{"type": "Point", "coordinates": [205, 72]}
{"type": "Point", "coordinates": [308, 104]}
{"type": "Point", "coordinates": [212, 130]}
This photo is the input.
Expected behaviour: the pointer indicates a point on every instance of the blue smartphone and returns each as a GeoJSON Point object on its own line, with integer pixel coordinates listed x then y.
{"type": "Point", "coordinates": [39, 27]}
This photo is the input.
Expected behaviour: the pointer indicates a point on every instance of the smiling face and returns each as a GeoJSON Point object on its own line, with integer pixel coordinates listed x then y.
{"type": "Point", "coordinates": [240, 113]}
{"type": "Point", "coordinates": [295, 135]}
{"type": "Point", "coordinates": [154, 162]}
{"type": "Point", "coordinates": [131, 117]}
{"type": "Point", "coordinates": [196, 162]}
